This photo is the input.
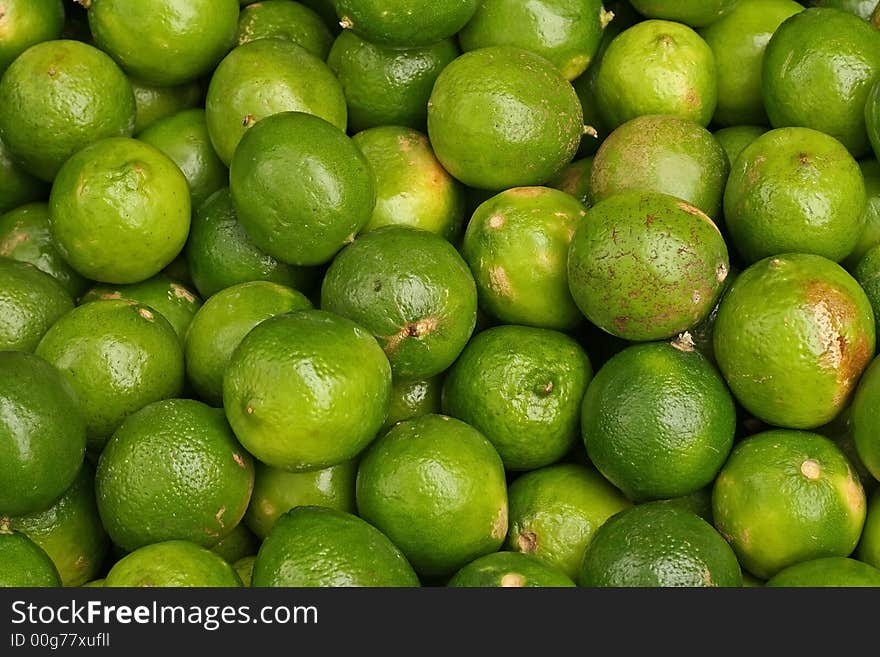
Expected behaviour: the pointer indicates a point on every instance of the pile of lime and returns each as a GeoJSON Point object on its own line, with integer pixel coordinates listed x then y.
{"type": "Point", "coordinates": [481, 293]}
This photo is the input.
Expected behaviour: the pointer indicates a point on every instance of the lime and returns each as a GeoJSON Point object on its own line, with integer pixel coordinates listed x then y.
{"type": "Point", "coordinates": [312, 546]}
{"type": "Point", "coordinates": [23, 563]}
{"type": "Point", "coordinates": [172, 564]}
{"type": "Point", "coordinates": [509, 570]}
{"type": "Point", "coordinates": [835, 572]}
{"type": "Point", "coordinates": [436, 487]}
{"type": "Point", "coordinates": [282, 19]}
{"type": "Point", "coordinates": [870, 236]}
{"type": "Point", "coordinates": [24, 23]}
{"type": "Point", "coordinates": [861, 8]}
{"type": "Point", "coordinates": [869, 545]}
{"type": "Point", "coordinates": [30, 302]}
{"type": "Point", "coordinates": [17, 187]}
{"type": "Point", "coordinates": [405, 22]}
{"type": "Point", "coordinates": [412, 399]}
{"type": "Point", "coordinates": [516, 245]}
{"type": "Point", "coordinates": [735, 139]}
{"type": "Point", "coordinates": [867, 273]}
{"type": "Point", "coordinates": [784, 497]}
{"type": "Point", "coordinates": [244, 567]}
{"type": "Point", "coordinates": [154, 103]}
{"type": "Point", "coordinates": [237, 544]}
{"type": "Point", "coordinates": [696, 13]}
{"type": "Point", "coordinates": [574, 180]}
{"type": "Point", "coordinates": [865, 421]}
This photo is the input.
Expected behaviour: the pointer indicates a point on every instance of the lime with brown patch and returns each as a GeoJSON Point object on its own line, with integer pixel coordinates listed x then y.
{"type": "Point", "coordinates": [281, 19]}
{"type": "Point", "coordinates": [172, 564]}
{"type": "Point", "coordinates": [23, 563]}
{"type": "Point", "coordinates": [31, 301]}
{"type": "Point", "coordinates": [646, 266]}
{"type": "Point", "coordinates": [516, 245]}
{"type": "Point", "coordinates": [509, 570]}
{"type": "Point", "coordinates": [412, 290]}
{"type": "Point", "coordinates": [784, 497]}
{"type": "Point", "coordinates": [792, 337]}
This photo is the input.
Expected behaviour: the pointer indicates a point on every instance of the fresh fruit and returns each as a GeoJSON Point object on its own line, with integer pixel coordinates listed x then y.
{"type": "Point", "coordinates": [307, 220]}
{"type": "Point", "coordinates": [119, 211]}
{"type": "Point", "coordinates": [735, 139]}
{"type": "Point", "coordinates": [387, 86]}
{"type": "Point", "coordinates": [566, 32]}
{"type": "Point", "coordinates": [412, 399]}
{"type": "Point", "coordinates": [555, 512]}
{"type": "Point", "coordinates": [516, 245]}
{"type": "Point", "coordinates": [818, 70]}
{"type": "Point", "coordinates": [58, 97]}
{"type": "Point", "coordinates": [867, 273]}
{"type": "Point", "coordinates": [17, 186]}
{"type": "Point", "coordinates": [25, 23]}
{"type": "Point", "coordinates": [155, 103]}
{"type": "Point", "coordinates": [870, 236]}
{"type": "Point", "coordinates": [404, 22]}
{"type": "Point", "coordinates": [657, 67]}
{"type": "Point", "coordinates": [30, 303]}
{"type": "Point", "coordinates": [522, 388]}
{"type": "Point", "coordinates": [665, 154]}
{"type": "Point", "coordinates": [696, 13]}
{"type": "Point", "coordinates": [865, 421]}
{"type": "Point", "coordinates": [503, 117]}
{"type": "Point", "coordinates": [795, 190]}
{"type": "Point", "coordinates": [118, 356]}
{"type": "Point", "coordinates": [509, 570]}
{"type": "Point", "coordinates": [435, 486]}
{"type": "Point", "coordinates": [265, 77]}
{"type": "Point", "coordinates": [282, 19]}
{"type": "Point", "coordinates": [574, 180]}
{"type": "Point", "coordinates": [172, 564]}
{"type": "Point", "coordinates": [244, 568]}
{"type": "Point", "coordinates": [23, 563]}
{"type": "Point", "coordinates": [412, 290]}
{"type": "Point", "coordinates": [784, 497]}
{"type": "Point", "coordinates": [164, 42]}
{"type": "Point", "coordinates": [312, 546]}
{"type": "Point", "coordinates": [792, 337]}
{"type": "Point", "coordinates": [869, 545]}
{"type": "Point", "coordinates": [658, 421]}
{"type": "Point", "coordinates": [219, 326]}
{"type": "Point", "coordinates": [831, 571]}
{"type": "Point", "coordinates": [655, 545]}
{"type": "Point", "coordinates": [237, 544]}
{"type": "Point", "coordinates": [278, 491]}
{"type": "Point", "coordinates": [42, 433]}
{"type": "Point", "coordinates": [412, 188]}
{"type": "Point", "coordinates": [646, 266]}
{"type": "Point", "coordinates": [861, 8]}
{"type": "Point", "coordinates": [307, 390]}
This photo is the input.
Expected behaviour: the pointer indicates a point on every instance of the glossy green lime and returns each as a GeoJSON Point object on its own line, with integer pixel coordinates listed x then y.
{"type": "Point", "coordinates": [574, 180]}
{"type": "Point", "coordinates": [516, 245]}
{"type": "Point", "coordinates": [412, 290]}
{"type": "Point", "coordinates": [666, 154]}
{"type": "Point", "coordinates": [837, 572]}
{"type": "Point", "coordinates": [307, 390]}
{"type": "Point", "coordinates": [164, 42]}
{"type": "Point", "coordinates": [503, 117]}
{"type": "Point", "coordinates": [412, 187]}
{"type": "Point", "coordinates": [172, 564]}
{"type": "Point", "coordinates": [861, 8]}
{"type": "Point", "coordinates": [31, 301]}
{"type": "Point", "coordinates": [313, 546]}
{"type": "Point", "coordinates": [154, 103]}
{"type": "Point", "coordinates": [869, 544]}
{"type": "Point", "coordinates": [42, 433]}
{"type": "Point", "coordinates": [17, 186]}
{"type": "Point", "coordinates": [870, 236]}
{"type": "Point", "coordinates": [265, 77]}
{"type": "Point", "coordinates": [306, 223]}
{"type": "Point", "coordinates": [24, 23]}
{"type": "Point", "coordinates": [23, 563]}
{"type": "Point", "coordinates": [219, 326]}
{"type": "Point", "coordinates": [867, 273]}
{"type": "Point", "coordinates": [817, 73]}
{"type": "Point", "coordinates": [695, 13]}
{"type": "Point", "coordinates": [864, 419]}
{"type": "Point", "coordinates": [412, 399]}
{"type": "Point", "coordinates": [405, 23]}
{"type": "Point", "coordinates": [793, 335]}
{"type": "Point", "coordinates": [282, 19]}
{"type": "Point", "coordinates": [119, 211]}
{"type": "Point", "coordinates": [59, 97]}
{"type": "Point", "coordinates": [509, 570]}
{"type": "Point", "coordinates": [237, 544]}
{"type": "Point", "coordinates": [119, 356]}
{"type": "Point", "coordinates": [735, 139]}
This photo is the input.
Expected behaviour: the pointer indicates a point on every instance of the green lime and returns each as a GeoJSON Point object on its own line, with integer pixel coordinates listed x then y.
{"type": "Point", "coordinates": [837, 572]}
{"type": "Point", "coordinates": [312, 546]}
{"type": "Point", "coordinates": [412, 188]}
{"type": "Point", "coordinates": [282, 19]}
{"type": "Point", "coordinates": [738, 41]}
{"type": "Point", "coordinates": [58, 97]}
{"type": "Point", "coordinates": [657, 545]}
{"type": "Point", "coordinates": [566, 32]}
{"type": "Point", "coordinates": [516, 245]}
{"type": "Point", "coordinates": [665, 154]}
{"type": "Point", "coordinates": [220, 254]}
{"type": "Point", "coordinates": [184, 138]}
{"type": "Point", "coordinates": [735, 139]}
{"type": "Point", "coordinates": [864, 419]}
{"type": "Point", "coordinates": [42, 433]}
{"type": "Point", "coordinates": [646, 266]}
{"type": "Point", "coordinates": [17, 186]}
{"type": "Point", "coordinates": [154, 103]}
{"type": "Point", "coordinates": [436, 487]}
{"type": "Point", "coordinates": [869, 545]}
{"type": "Point", "coordinates": [31, 301]}
{"type": "Point", "coordinates": [698, 502]}
{"type": "Point", "coordinates": [308, 222]}
{"type": "Point", "coordinates": [793, 335]}
{"type": "Point", "coordinates": [307, 390]}
{"type": "Point", "coordinates": [95, 583]}
{"type": "Point", "coordinates": [172, 564]}
{"type": "Point", "coordinates": [119, 211]}
{"type": "Point", "coordinates": [574, 180]}
{"type": "Point", "coordinates": [658, 421]}
{"type": "Point", "coordinates": [164, 42]}
{"type": "Point", "coordinates": [555, 512]}
{"type": "Point", "coordinates": [173, 471]}
{"type": "Point", "coordinates": [265, 77]}
{"type": "Point", "coordinates": [277, 491]}
{"type": "Point", "coordinates": [237, 544]}
{"type": "Point", "coordinates": [412, 399]}
{"type": "Point", "coordinates": [219, 326]}
{"type": "Point", "coordinates": [162, 293]}
{"type": "Point", "coordinates": [244, 567]}
{"type": "Point", "coordinates": [695, 13]}
{"type": "Point", "coordinates": [867, 273]}
{"type": "Point", "coordinates": [870, 236]}
{"type": "Point", "coordinates": [503, 117]}
{"type": "Point", "coordinates": [788, 496]}
{"type": "Point", "coordinates": [509, 570]}
{"type": "Point", "coordinates": [861, 8]}
{"type": "Point", "coordinates": [70, 531]}
{"type": "Point", "coordinates": [25, 236]}
{"type": "Point", "coordinates": [324, 9]}
{"type": "Point", "coordinates": [817, 73]}
{"type": "Point", "coordinates": [795, 190]}
{"type": "Point", "coordinates": [119, 356]}
{"type": "Point", "coordinates": [412, 290]}
{"type": "Point", "coordinates": [522, 388]}
{"type": "Point", "coordinates": [24, 23]}
{"type": "Point", "coordinates": [657, 67]}
{"type": "Point", "coordinates": [405, 22]}
{"type": "Point", "coordinates": [23, 563]}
